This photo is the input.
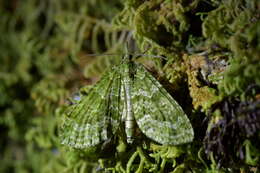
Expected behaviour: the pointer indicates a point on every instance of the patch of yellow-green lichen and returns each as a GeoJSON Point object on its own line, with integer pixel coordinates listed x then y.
{"type": "Point", "coordinates": [202, 96]}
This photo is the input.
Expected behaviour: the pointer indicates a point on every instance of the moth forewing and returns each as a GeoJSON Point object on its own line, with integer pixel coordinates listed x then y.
{"type": "Point", "coordinates": [157, 114]}
{"type": "Point", "coordinates": [88, 123]}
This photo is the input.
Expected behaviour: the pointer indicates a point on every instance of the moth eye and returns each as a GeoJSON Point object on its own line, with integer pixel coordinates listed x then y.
{"type": "Point", "coordinates": [77, 97]}
{"type": "Point", "coordinates": [74, 99]}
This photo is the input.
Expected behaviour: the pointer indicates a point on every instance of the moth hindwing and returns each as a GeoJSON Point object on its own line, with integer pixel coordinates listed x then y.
{"type": "Point", "coordinates": [127, 94]}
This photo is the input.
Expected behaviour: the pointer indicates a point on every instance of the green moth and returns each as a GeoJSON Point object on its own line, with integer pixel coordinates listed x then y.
{"type": "Point", "coordinates": [126, 95]}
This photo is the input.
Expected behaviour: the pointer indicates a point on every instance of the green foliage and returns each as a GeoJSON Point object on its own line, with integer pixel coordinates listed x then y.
{"type": "Point", "coordinates": [211, 68]}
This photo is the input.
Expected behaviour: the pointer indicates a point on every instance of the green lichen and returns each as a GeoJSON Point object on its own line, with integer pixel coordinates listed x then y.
{"type": "Point", "coordinates": [202, 95]}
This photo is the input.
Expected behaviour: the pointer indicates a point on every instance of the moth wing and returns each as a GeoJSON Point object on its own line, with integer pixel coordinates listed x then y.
{"type": "Point", "coordinates": [157, 114]}
{"type": "Point", "coordinates": [95, 118]}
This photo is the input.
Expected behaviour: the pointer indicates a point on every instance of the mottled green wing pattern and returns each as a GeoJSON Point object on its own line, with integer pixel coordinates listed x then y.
{"type": "Point", "coordinates": [96, 117]}
{"type": "Point", "coordinates": [157, 114]}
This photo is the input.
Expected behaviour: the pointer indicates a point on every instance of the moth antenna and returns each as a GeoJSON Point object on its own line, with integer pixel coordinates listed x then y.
{"type": "Point", "coordinates": [152, 56]}
{"type": "Point", "coordinates": [104, 54]}
{"type": "Point", "coordinates": [136, 55]}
